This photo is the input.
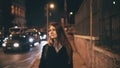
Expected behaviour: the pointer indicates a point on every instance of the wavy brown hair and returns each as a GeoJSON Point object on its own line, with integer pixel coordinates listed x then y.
{"type": "Point", "coordinates": [62, 38]}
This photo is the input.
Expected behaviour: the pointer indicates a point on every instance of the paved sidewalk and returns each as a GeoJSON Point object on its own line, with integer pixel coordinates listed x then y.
{"type": "Point", "coordinates": [78, 61]}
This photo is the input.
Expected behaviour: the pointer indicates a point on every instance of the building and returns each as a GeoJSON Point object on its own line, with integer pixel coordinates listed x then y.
{"type": "Point", "coordinates": [12, 12]}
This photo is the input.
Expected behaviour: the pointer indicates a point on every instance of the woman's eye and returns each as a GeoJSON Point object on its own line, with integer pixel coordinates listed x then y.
{"type": "Point", "coordinates": [53, 29]}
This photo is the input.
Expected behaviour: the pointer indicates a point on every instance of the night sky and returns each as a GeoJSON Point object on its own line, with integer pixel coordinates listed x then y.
{"type": "Point", "coordinates": [35, 10]}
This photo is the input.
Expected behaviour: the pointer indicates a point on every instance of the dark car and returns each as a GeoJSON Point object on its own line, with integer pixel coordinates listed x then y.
{"type": "Point", "coordinates": [16, 42]}
{"type": "Point", "coordinates": [33, 38]}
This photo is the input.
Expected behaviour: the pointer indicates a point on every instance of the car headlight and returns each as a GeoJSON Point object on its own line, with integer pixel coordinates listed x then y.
{"type": "Point", "coordinates": [30, 39]}
{"type": "Point", "coordinates": [16, 44]}
{"type": "Point", "coordinates": [24, 36]}
{"type": "Point", "coordinates": [41, 37]}
{"type": "Point", "coordinates": [4, 44]}
{"type": "Point", "coordinates": [44, 36]}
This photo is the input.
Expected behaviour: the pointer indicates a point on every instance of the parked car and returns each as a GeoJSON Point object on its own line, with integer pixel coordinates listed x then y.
{"type": "Point", "coordinates": [16, 42]}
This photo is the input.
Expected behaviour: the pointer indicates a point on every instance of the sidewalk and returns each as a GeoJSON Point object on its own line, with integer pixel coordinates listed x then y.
{"type": "Point", "coordinates": [78, 61]}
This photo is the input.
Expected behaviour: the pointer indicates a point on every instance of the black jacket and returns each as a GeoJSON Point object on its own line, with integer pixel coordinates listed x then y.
{"type": "Point", "coordinates": [51, 59]}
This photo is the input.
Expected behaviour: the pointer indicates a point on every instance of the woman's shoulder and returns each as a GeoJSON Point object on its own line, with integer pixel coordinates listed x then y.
{"type": "Point", "coordinates": [46, 46]}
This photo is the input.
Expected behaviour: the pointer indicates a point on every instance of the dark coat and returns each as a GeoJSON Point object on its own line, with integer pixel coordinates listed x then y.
{"type": "Point", "coordinates": [52, 59]}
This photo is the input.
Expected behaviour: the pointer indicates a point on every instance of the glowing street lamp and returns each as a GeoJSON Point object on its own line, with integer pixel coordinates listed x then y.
{"type": "Point", "coordinates": [52, 6]}
{"type": "Point", "coordinates": [71, 13]}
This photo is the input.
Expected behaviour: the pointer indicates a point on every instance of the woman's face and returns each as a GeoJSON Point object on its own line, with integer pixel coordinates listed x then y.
{"type": "Point", "coordinates": [52, 32]}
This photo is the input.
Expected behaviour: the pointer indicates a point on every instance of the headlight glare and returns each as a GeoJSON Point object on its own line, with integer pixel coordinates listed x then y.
{"type": "Point", "coordinates": [4, 44]}
{"type": "Point", "coordinates": [16, 44]}
{"type": "Point", "coordinates": [30, 39]}
{"type": "Point", "coordinates": [44, 36]}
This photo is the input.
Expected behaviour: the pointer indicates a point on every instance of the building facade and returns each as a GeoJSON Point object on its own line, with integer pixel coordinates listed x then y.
{"type": "Point", "coordinates": [12, 12]}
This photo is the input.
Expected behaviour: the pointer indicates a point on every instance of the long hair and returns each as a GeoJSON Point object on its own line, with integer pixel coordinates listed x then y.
{"type": "Point", "coordinates": [62, 38]}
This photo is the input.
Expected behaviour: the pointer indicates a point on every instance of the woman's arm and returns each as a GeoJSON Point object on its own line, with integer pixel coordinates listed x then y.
{"type": "Point", "coordinates": [42, 63]}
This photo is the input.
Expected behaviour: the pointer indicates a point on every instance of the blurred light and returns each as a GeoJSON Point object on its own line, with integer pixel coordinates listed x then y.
{"type": "Point", "coordinates": [31, 39]}
{"type": "Point", "coordinates": [10, 35]}
{"type": "Point", "coordinates": [16, 44]}
{"type": "Point", "coordinates": [39, 33]}
{"type": "Point", "coordinates": [24, 36]}
{"type": "Point", "coordinates": [41, 37]}
{"type": "Point", "coordinates": [113, 2]}
{"type": "Point", "coordinates": [44, 37]}
{"type": "Point", "coordinates": [71, 13]}
{"type": "Point", "coordinates": [5, 39]}
{"type": "Point", "coordinates": [37, 43]}
{"type": "Point", "coordinates": [30, 45]}
{"type": "Point", "coordinates": [16, 27]}
{"type": "Point", "coordinates": [52, 6]}
{"type": "Point", "coordinates": [4, 44]}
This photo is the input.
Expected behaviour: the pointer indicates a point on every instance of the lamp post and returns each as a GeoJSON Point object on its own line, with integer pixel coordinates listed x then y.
{"type": "Point", "coordinates": [47, 18]}
{"type": "Point", "coordinates": [48, 6]}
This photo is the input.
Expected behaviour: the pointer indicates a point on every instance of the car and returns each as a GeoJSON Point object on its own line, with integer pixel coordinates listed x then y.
{"type": "Point", "coordinates": [34, 38]}
{"type": "Point", "coordinates": [15, 42]}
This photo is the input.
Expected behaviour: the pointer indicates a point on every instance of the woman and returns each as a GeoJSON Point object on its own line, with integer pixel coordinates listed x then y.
{"type": "Point", "coordinates": [58, 52]}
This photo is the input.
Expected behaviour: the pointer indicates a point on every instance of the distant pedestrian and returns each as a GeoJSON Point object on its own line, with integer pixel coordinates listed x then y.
{"type": "Point", "coordinates": [58, 52]}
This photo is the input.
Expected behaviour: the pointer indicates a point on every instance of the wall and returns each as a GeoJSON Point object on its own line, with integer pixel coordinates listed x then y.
{"type": "Point", "coordinates": [100, 50]}
{"type": "Point", "coordinates": [93, 56]}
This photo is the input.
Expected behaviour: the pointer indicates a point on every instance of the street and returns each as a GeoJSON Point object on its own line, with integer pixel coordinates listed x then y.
{"type": "Point", "coordinates": [19, 60]}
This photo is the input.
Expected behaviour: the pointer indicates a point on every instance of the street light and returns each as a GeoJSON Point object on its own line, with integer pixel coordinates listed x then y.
{"type": "Point", "coordinates": [48, 6]}
{"type": "Point", "coordinates": [71, 13]}
{"type": "Point", "coordinates": [52, 5]}
{"type": "Point", "coordinates": [70, 17]}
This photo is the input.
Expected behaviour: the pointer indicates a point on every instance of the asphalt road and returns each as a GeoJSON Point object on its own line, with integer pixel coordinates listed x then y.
{"type": "Point", "coordinates": [20, 60]}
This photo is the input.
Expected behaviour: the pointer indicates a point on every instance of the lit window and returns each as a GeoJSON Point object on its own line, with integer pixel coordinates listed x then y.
{"type": "Point", "coordinates": [12, 9]}
{"type": "Point", "coordinates": [16, 10]}
{"type": "Point", "coordinates": [23, 14]}
{"type": "Point", "coordinates": [19, 11]}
